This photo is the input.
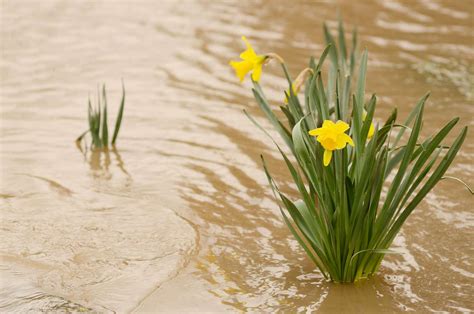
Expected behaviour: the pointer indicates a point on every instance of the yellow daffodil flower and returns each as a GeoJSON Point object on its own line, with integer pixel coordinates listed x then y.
{"type": "Point", "coordinates": [332, 136]}
{"type": "Point", "coordinates": [372, 127]}
{"type": "Point", "coordinates": [250, 62]}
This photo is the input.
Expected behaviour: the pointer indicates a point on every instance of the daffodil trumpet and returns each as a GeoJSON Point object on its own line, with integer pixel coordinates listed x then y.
{"type": "Point", "coordinates": [342, 163]}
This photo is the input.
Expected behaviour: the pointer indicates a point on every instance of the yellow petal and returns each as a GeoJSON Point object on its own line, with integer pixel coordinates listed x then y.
{"type": "Point", "coordinates": [348, 139]}
{"type": "Point", "coordinates": [248, 54]}
{"type": "Point", "coordinates": [341, 126]}
{"type": "Point", "coordinates": [327, 157]}
{"type": "Point", "coordinates": [341, 141]}
{"type": "Point", "coordinates": [371, 131]}
{"type": "Point", "coordinates": [328, 124]}
{"type": "Point", "coordinates": [315, 132]}
{"type": "Point", "coordinates": [241, 68]}
{"type": "Point", "coordinates": [257, 72]}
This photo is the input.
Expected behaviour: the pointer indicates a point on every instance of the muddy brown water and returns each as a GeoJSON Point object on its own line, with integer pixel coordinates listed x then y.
{"type": "Point", "coordinates": [179, 218]}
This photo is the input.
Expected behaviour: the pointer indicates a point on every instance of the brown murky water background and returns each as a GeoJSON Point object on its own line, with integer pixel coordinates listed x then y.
{"type": "Point", "coordinates": [180, 217]}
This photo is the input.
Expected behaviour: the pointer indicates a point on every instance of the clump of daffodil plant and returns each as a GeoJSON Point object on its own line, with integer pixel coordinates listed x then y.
{"type": "Point", "coordinates": [98, 121]}
{"type": "Point", "coordinates": [343, 160]}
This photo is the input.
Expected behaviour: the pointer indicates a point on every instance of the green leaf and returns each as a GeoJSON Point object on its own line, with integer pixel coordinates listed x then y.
{"type": "Point", "coordinates": [376, 251]}
{"type": "Point", "coordinates": [82, 136]}
{"type": "Point", "coordinates": [289, 116]}
{"type": "Point", "coordinates": [105, 128]}
{"type": "Point", "coordinates": [330, 41]}
{"type": "Point", "coordinates": [271, 116]}
{"type": "Point", "coordinates": [460, 181]}
{"type": "Point", "coordinates": [360, 93]}
{"type": "Point", "coordinates": [118, 121]}
{"type": "Point", "coordinates": [342, 44]}
{"type": "Point", "coordinates": [432, 181]}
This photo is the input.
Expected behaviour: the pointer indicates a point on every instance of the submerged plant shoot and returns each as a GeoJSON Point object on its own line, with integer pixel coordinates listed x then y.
{"type": "Point", "coordinates": [98, 121]}
{"type": "Point", "coordinates": [357, 180]}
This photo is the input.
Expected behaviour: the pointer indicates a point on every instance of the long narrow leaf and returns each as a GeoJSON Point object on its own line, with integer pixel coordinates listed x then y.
{"type": "Point", "coordinates": [118, 121]}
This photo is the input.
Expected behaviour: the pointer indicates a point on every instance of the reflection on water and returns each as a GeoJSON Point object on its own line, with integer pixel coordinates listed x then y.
{"type": "Point", "coordinates": [77, 231]}
{"type": "Point", "coordinates": [99, 161]}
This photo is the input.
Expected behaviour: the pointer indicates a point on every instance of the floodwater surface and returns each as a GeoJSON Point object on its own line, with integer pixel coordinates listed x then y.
{"type": "Point", "coordinates": [179, 217]}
